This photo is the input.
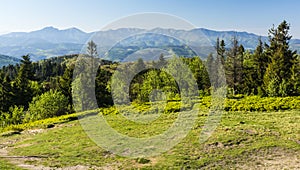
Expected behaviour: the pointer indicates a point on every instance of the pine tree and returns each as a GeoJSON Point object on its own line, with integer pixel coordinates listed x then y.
{"type": "Point", "coordinates": [295, 76]}
{"type": "Point", "coordinates": [250, 78]}
{"type": "Point", "coordinates": [219, 64]}
{"type": "Point", "coordinates": [281, 58]}
{"type": "Point", "coordinates": [260, 61]}
{"type": "Point", "coordinates": [65, 83]}
{"type": "Point", "coordinates": [22, 89]}
{"type": "Point", "coordinates": [6, 93]}
{"type": "Point", "coordinates": [92, 49]}
{"type": "Point", "coordinates": [83, 86]}
{"type": "Point", "coordinates": [221, 51]}
{"type": "Point", "coordinates": [234, 66]}
{"type": "Point", "coordinates": [161, 61]}
{"type": "Point", "coordinates": [210, 68]}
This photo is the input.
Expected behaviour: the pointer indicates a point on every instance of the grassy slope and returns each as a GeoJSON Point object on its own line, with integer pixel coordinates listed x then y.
{"type": "Point", "coordinates": [8, 166]}
{"type": "Point", "coordinates": [243, 139]}
{"type": "Point", "coordinates": [239, 136]}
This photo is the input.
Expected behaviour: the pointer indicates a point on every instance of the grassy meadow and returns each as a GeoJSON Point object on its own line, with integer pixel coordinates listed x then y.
{"type": "Point", "coordinates": [243, 140]}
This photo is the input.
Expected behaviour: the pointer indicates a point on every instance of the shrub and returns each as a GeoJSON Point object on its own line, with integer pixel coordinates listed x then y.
{"type": "Point", "coordinates": [50, 104]}
{"type": "Point", "coordinates": [256, 103]}
{"type": "Point", "coordinates": [14, 116]}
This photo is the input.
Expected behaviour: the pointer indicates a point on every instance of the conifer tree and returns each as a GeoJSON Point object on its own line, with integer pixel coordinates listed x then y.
{"type": "Point", "coordinates": [234, 66]}
{"type": "Point", "coordinates": [281, 60]}
{"type": "Point", "coordinates": [22, 83]}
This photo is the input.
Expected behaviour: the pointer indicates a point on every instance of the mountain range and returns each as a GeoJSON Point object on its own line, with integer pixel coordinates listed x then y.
{"type": "Point", "coordinates": [50, 42]}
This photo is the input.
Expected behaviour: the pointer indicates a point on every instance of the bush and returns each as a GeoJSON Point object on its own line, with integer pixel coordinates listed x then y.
{"type": "Point", "coordinates": [50, 104]}
{"type": "Point", "coordinates": [255, 103]}
{"type": "Point", "coordinates": [14, 116]}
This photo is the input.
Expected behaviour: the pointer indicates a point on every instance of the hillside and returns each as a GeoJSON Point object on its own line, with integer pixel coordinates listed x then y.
{"type": "Point", "coordinates": [243, 140]}
{"type": "Point", "coordinates": [6, 60]}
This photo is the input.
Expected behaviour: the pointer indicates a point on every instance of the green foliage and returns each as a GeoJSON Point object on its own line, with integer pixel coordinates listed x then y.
{"type": "Point", "coordinates": [45, 123]}
{"type": "Point", "coordinates": [103, 95]}
{"type": "Point", "coordinates": [14, 116]}
{"type": "Point", "coordinates": [142, 160]}
{"type": "Point", "coordinates": [272, 87]}
{"type": "Point", "coordinates": [49, 104]}
{"type": "Point", "coordinates": [200, 71]}
{"type": "Point", "coordinates": [256, 103]}
{"type": "Point", "coordinates": [65, 83]}
{"type": "Point", "coordinates": [234, 66]}
{"type": "Point", "coordinates": [281, 61]}
{"type": "Point", "coordinates": [21, 86]}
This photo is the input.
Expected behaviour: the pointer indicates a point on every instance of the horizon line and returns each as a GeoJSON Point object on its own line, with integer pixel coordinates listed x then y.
{"type": "Point", "coordinates": [88, 32]}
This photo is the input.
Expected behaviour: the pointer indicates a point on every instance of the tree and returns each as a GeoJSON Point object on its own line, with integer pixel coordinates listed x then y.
{"type": "Point", "coordinates": [199, 71]}
{"type": "Point", "coordinates": [6, 93]}
{"type": "Point", "coordinates": [234, 66]}
{"type": "Point", "coordinates": [83, 86]}
{"type": "Point", "coordinates": [280, 56]}
{"type": "Point", "coordinates": [103, 95]}
{"type": "Point", "coordinates": [217, 74]}
{"type": "Point", "coordinates": [26, 69]}
{"type": "Point", "coordinates": [295, 76]}
{"type": "Point", "coordinates": [22, 83]}
{"type": "Point", "coordinates": [210, 68]}
{"type": "Point", "coordinates": [139, 66]}
{"type": "Point", "coordinates": [161, 61]}
{"type": "Point", "coordinates": [220, 48]}
{"type": "Point", "coordinates": [250, 75]}
{"type": "Point", "coordinates": [50, 104]}
{"type": "Point", "coordinates": [65, 83]}
{"type": "Point", "coordinates": [260, 62]}
{"type": "Point", "coordinates": [92, 49]}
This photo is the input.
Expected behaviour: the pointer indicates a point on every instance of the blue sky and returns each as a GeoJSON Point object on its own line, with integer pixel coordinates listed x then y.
{"type": "Point", "coordinates": [255, 16]}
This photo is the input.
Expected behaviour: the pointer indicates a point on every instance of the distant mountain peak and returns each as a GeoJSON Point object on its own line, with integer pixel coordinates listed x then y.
{"type": "Point", "coordinates": [49, 28]}
{"type": "Point", "coordinates": [74, 29]}
{"type": "Point", "coordinates": [53, 29]}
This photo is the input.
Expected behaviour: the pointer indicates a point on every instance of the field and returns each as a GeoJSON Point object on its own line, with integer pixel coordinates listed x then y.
{"type": "Point", "coordinates": [243, 140]}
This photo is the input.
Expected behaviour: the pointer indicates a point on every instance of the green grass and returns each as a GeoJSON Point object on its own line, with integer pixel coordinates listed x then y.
{"type": "Point", "coordinates": [240, 138]}
{"type": "Point", "coordinates": [5, 165]}
{"type": "Point", "coordinates": [46, 123]}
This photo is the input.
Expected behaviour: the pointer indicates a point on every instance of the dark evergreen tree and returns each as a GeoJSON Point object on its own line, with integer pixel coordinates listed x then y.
{"type": "Point", "coordinates": [161, 61]}
{"type": "Point", "coordinates": [221, 49]}
{"type": "Point", "coordinates": [103, 95]}
{"type": "Point", "coordinates": [234, 66]}
{"type": "Point", "coordinates": [22, 84]}
{"type": "Point", "coordinates": [6, 93]}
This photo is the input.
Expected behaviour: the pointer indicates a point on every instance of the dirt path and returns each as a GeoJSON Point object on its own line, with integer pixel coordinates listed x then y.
{"type": "Point", "coordinates": [272, 159]}
{"type": "Point", "coordinates": [20, 161]}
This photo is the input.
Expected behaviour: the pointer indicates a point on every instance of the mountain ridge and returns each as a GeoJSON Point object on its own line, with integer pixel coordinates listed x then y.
{"type": "Point", "coordinates": [50, 41]}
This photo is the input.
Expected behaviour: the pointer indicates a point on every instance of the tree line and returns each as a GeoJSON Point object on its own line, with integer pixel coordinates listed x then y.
{"type": "Point", "coordinates": [271, 70]}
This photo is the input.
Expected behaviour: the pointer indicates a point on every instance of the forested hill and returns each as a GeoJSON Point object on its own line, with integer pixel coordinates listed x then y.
{"type": "Point", "coordinates": [6, 60]}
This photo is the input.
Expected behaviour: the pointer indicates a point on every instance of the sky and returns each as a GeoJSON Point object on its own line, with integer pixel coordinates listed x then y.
{"type": "Point", "coordinates": [255, 16]}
